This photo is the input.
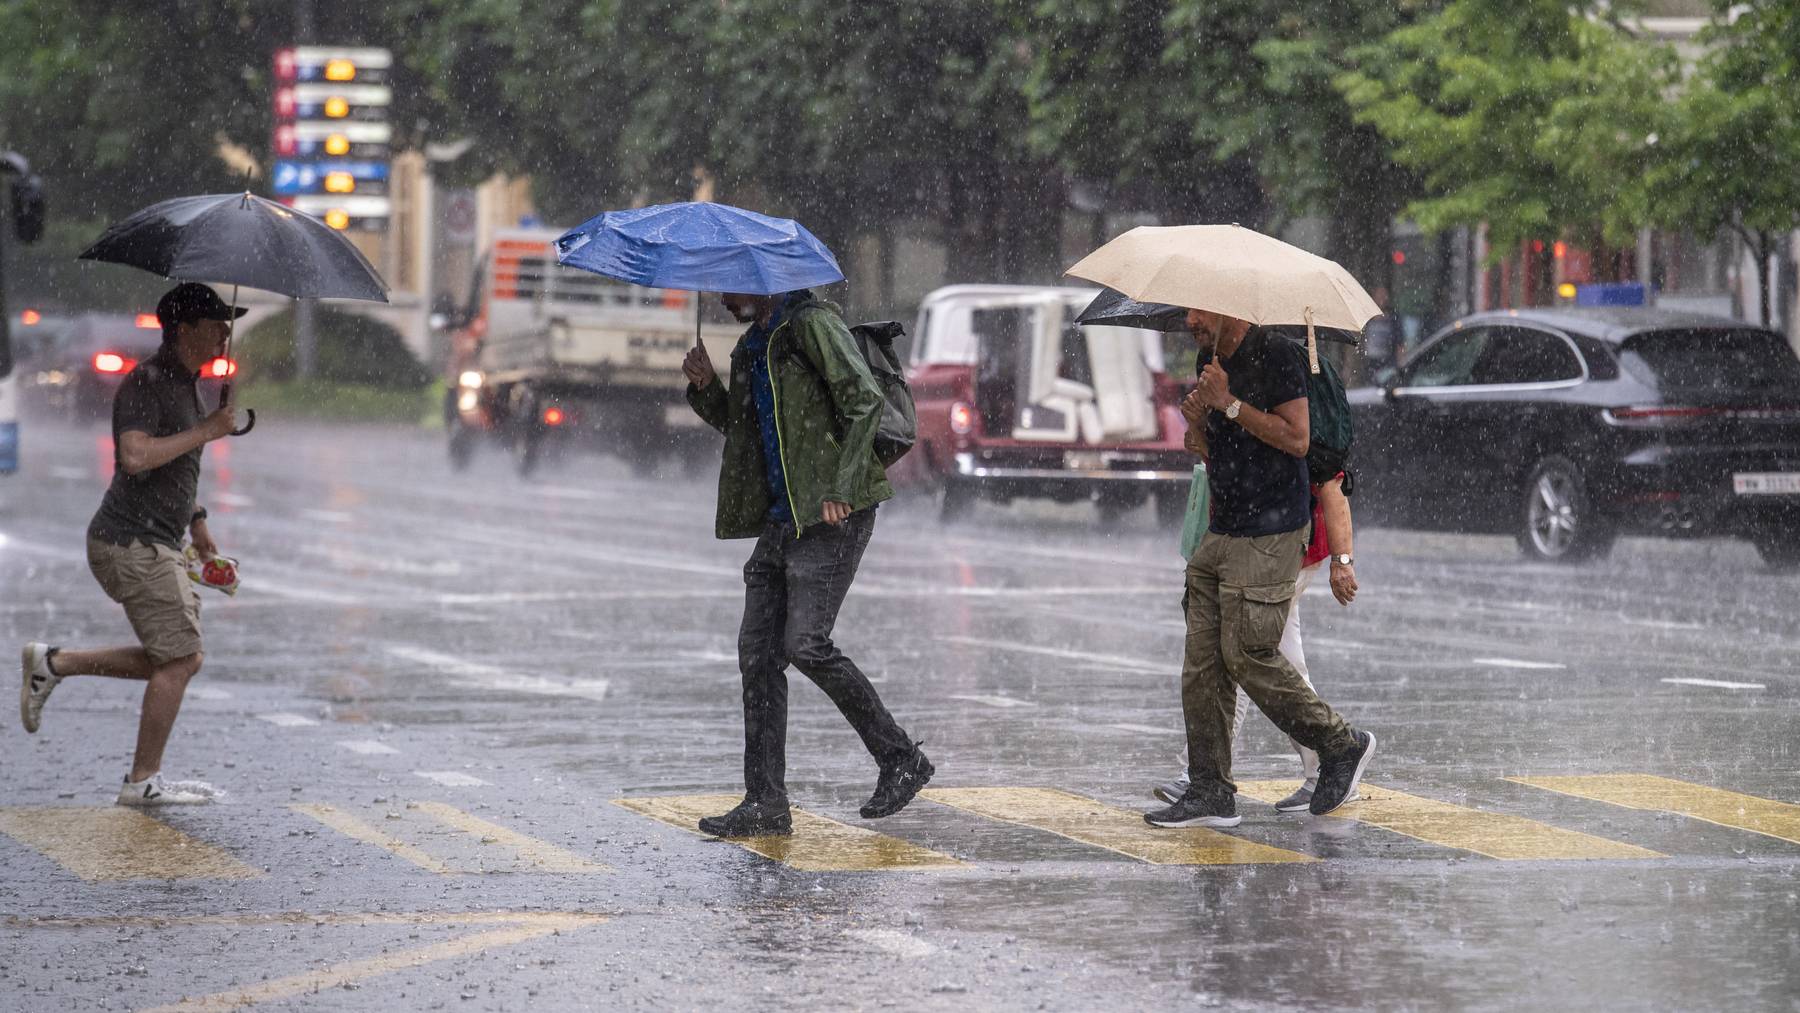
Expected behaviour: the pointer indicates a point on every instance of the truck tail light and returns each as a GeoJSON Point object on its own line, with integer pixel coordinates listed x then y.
{"type": "Point", "coordinates": [220, 368]}
{"type": "Point", "coordinates": [553, 416]}
{"type": "Point", "coordinates": [962, 419]}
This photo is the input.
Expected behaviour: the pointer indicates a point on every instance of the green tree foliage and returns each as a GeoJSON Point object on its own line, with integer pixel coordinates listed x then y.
{"type": "Point", "coordinates": [353, 349]}
{"type": "Point", "coordinates": [1727, 155]}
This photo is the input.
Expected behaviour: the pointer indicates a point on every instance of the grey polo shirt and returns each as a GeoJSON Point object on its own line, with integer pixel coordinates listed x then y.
{"type": "Point", "coordinates": [157, 398]}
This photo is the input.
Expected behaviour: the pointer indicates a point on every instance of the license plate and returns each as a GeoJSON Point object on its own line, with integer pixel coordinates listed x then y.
{"type": "Point", "coordinates": [1084, 460]}
{"type": "Point", "coordinates": [1770, 483]}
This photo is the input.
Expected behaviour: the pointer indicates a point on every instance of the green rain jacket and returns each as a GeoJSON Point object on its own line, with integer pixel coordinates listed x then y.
{"type": "Point", "coordinates": [827, 408]}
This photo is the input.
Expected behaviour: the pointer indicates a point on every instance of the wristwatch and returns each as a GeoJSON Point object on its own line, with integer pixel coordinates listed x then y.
{"type": "Point", "coordinates": [1232, 410]}
{"type": "Point", "coordinates": [1342, 559]}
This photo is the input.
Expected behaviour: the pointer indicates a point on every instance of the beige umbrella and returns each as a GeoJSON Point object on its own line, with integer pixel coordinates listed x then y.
{"type": "Point", "coordinates": [1231, 270]}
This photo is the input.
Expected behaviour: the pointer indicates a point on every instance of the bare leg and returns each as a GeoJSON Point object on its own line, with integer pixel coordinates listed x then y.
{"type": "Point", "coordinates": [162, 702]}
{"type": "Point", "coordinates": [114, 662]}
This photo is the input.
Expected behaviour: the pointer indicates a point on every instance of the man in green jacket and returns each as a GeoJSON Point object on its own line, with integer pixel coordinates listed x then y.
{"type": "Point", "coordinates": [800, 476]}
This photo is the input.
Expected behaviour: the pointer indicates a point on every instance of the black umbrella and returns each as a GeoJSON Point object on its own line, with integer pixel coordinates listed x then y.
{"type": "Point", "coordinates": [1112, 308]}
{"type": "Point", "coordinates": [241, 240]}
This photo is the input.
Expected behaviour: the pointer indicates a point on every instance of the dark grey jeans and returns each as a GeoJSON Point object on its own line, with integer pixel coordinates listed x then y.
{"type": "Point", "coordinates": [794, 588]}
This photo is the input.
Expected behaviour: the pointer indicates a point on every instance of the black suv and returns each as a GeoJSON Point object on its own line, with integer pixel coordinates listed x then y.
{"type": "Point", "coordinates": [1570, 427]}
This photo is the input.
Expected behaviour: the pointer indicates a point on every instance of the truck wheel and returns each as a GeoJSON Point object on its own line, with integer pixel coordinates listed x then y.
{"type": "Point", "coordinates": [462, 444]}
{"type": "Point", "coordinates": [527, 449]}
{"type": "Point", "coordinates": [1557, 523]}
{"type": "Point", "coordinates": [1779, 551]}
{"type": "Point", "coordinates": [959, 496]}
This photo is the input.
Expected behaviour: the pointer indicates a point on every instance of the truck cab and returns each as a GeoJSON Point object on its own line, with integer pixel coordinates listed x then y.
{"type": "Point", "coordinates": [553, 354]}
{"type": "Point", "coordinates": [1017, 400]}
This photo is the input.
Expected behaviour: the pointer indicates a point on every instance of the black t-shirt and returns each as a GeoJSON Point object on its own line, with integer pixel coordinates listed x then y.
{"type": "Point", "coordinates": [155, 506]}
{"type": "Point", "coordinates": [1256, 489]}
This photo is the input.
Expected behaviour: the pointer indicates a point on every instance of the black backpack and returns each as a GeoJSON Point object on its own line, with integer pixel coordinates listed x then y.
{"type": "Point", "coordinates": [899, 428]}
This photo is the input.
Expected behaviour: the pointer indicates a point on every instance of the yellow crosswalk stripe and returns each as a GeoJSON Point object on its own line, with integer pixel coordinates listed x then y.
{"type": "Point", "coordinates": [1780, 820]}
{"type": "Point", "coordinates": [1103, 826]}
{"type": "Point", "coordinates": [116, 843]}
{"type": "Point", "coordinates": [524, 927]}
{"type": "Point", "coordinates": [817, 845]}
{"type": "Point", "coordinates": [1495, 835]}
{"type": "Point", "coordinates": [348, 825]}
{"type": "Point", "coordinates": [539, 855]}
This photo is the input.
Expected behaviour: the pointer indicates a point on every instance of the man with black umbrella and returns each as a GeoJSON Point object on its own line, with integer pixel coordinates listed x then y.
{"type": "Point", "coordinates": [134, 541]}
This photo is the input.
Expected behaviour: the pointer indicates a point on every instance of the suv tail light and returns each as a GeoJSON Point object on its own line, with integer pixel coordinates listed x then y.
{"type": "Point", "coordinates": [962, 419]}
{"type": "Point", "coordinates": [219, 368]}
{"type": "Point", "coordinates": [1661, 415]}
{"type": "Point", "coordinates": [112, 362]}
{"type": "Point", "coordinates": [554, 416]}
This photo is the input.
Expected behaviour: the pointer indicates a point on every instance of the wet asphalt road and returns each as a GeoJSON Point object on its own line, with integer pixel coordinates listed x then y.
{"type": "Point", "coordinates": [434, 689]}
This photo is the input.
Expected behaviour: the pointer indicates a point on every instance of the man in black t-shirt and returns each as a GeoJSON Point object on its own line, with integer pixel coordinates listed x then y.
{"type": "Point", "coordinates": [134, 541]}
{"type": "Point", "coordinates": [1241, 578]}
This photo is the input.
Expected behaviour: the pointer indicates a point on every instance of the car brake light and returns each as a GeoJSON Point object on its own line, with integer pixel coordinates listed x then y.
{"type": "Point", "coordinates": [221, 367]}
{"type": "Point", "coordinates": [112, 362]}
{"type": "Point", "coordinates": [962, 419]}
{"type": "Point", "coordinates": [1662, 413]}
{"type": "Point", "coordinates": [553, 416]}
{"type": "Point", "coordinates": [148, 322]}
{"type": "Point", "coordinates": [30, 318]}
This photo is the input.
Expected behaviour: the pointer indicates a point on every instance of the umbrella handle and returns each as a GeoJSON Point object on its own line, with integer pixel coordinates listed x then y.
{"type": "Point", "coordinates": [251, 412]}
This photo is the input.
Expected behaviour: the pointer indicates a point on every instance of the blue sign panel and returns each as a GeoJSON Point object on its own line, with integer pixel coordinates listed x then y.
{"type": "Point", "coordinates": [1612, 293]}
{"type": "Point", "coordinates": [292, 178]}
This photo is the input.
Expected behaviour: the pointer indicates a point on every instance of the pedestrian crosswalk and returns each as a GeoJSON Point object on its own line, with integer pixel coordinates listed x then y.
{"type": "Point", "coordinates": [112, 843]}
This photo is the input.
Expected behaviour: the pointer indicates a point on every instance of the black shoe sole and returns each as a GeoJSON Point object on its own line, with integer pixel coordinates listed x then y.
{"type": "Point", "coordinates": [728, 834]}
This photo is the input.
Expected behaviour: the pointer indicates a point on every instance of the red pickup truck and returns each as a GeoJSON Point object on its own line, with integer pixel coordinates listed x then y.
{"type": "Point", "coordinates": [1016, 400]}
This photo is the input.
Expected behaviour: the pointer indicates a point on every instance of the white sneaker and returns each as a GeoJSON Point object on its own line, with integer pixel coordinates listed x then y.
{"type": "Point", "coordinates": [151, 791]}
{"type": "Point", "coordinates": [35, 683]}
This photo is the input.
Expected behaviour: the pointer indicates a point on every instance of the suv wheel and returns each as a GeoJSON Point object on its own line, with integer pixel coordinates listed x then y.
{"type": "Point", "coordinates": [1557, 523]}
{"type": "Point", "coordinates": [1779, 550]}
{"type": "Point", "coordinates": [959, 496]}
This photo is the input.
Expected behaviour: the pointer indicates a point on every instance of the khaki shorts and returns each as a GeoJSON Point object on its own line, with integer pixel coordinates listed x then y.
{"type": "Point", "coordinates": [151, 581]}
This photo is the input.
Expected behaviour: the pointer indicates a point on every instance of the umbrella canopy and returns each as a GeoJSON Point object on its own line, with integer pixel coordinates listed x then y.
{"type": "Point", "coordinates": [241, 239]}
{"type": "Point", "coordinates": [1231, 270]}
{"type": "Point", "coordinates": [700, 247]}
{"type": "Point", "coordinates": [1112, 308]}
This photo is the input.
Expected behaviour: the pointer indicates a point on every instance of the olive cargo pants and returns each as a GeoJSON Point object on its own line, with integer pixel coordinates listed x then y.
{"type": "Point", "coordinates": [1238, 591]}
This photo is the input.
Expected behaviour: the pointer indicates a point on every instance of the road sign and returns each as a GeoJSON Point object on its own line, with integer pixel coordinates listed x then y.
{"type": "Point", "coordinates": [332, 136]}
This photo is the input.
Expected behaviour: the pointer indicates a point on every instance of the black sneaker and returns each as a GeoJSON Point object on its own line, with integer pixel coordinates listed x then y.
{"type": "Point", "coordinates": [1194, 811]}
{"type": "Point", "coordinates": [750, 819]}
{"type": "Point", "coordinates": [898, 784]}
{"type": "Point", "coordinates": [1339, 776]}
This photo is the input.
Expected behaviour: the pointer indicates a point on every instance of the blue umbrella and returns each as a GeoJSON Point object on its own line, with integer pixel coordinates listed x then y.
{"type": "Point", "coordinates": [700, 247]}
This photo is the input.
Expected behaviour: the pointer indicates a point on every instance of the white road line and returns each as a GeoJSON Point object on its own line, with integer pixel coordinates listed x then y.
{"type": "Point", "coordinates": [1663, 624]}
{"type": "Point", "coordinates": [994, 701]}
{"type": "Point", "coordinates": [1716, 683]}
{"type": "Point", "coordinates": [479, 676]}
{"type": "Point", "coordinates": [881, 590]}
{"type": "Point", "coordinates": [329, 516]}
{"type": "Point", "coordinates": [1109, 660]}
{"type": "Point", "coordinates": [451, 778]}
{"type": "Point", "coordinates": [254, 583]}
{"type": "Point", "coordinates": [1515, 663]}
{"type": "Point", "coordinates": [231, 499]}
{"type": "Point", "coordinates": [65, 472]}
{"type": "Point", "coordinates": [368, 747]}
{"type": "Point", "coordinates": [1342, 645]}
{"type": "Point", "coordinates": [1145, 729]}
{"type": "Point", "coordinates": [207, 693]}
{"type": "Point", "coordinates": [894, 941]}
{"type": "Point", "coordinates": [281, 719]}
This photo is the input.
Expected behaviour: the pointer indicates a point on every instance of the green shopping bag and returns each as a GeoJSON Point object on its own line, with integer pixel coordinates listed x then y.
{"type": "Point", "coordinates": [1194, 523]}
